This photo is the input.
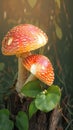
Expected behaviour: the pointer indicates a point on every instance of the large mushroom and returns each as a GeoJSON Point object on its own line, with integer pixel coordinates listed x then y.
{"type": "Point", "coordinates": [41, 67]}
{"type": "Point", "coordinates": [19, 41]}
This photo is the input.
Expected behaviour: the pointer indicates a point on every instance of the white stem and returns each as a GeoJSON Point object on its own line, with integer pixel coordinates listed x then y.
{"type": "Point", "coordinates": [30, 78]}
{"type": "Point", "coordinates": [22, 75]}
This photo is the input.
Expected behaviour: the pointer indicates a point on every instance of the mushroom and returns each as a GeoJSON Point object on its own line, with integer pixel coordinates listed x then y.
{"type": "Point", "coordinates": [41, 67]}
{"type": "Point", "coordinates": [19, 41]}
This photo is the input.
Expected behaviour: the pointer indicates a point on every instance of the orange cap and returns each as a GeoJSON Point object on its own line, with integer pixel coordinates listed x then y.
{"type": "Point", "coordinates": [41, 67]}
{"type": "Point", "coordinates": [23, 38]}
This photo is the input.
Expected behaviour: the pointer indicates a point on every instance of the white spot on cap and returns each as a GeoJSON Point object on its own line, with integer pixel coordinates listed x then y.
{"type": "Point", "coordinates": [10, 41]}
{"type": "Point", "coordinates": [41, 39]}
{"type": "Point", "coordinates": [43, 67]}
{"type": "Point", "coordinates": [33, 69]}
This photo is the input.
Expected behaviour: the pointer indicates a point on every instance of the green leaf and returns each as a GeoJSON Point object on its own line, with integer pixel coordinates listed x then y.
{"type": "Point", "coordinates": [58, 31]}
{"type": "Point", "coordinates": [22, 121]}
{"type": "Point", "coordinates": [5, 122]}
{"type": "Point", "coordinates": [58, 3]}
{"type": "Point", "coordinates": [4, 112]}
{"type": "Point", "coordinates": [48, 99]}
{"type": "Point", "coordinates": [31, 89]}
{"type": "Point", "coordinates": [2, 65]}
{"type": "Point", "coordinates": [32, 3]}
{"type": "Point", "coordinates": [32, 109]}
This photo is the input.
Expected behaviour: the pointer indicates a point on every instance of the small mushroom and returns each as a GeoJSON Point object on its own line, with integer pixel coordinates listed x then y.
{"type": "Point", "coordinates": [41, 67]}
{"type": "Point", "coordinates": [19, 41]}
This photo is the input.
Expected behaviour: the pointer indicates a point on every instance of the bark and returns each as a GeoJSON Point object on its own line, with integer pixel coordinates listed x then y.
{"type": "Point", "coordinates": [54, 119]}
{"type": "Point", "coordinates": [38, 122]}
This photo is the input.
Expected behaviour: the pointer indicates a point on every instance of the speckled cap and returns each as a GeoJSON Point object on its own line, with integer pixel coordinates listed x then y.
{"type": "Point", "coordinates": [23, 38]}
{"type": "Point", "coordinates": [41, 67]}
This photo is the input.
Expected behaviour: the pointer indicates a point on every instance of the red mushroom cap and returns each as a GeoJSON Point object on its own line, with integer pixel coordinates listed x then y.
{"type": "Point", "coordinates": [23, 38]}
{"type": "Point", "coordinates": [41, 67]}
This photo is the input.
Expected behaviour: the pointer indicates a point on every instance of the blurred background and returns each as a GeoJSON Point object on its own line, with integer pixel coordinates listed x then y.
{"type": "Point", "coordinates": [55, 18]}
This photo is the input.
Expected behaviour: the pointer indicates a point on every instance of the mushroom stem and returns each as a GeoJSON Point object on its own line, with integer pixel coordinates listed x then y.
{"type": "Point", "coordinates": [30, 78]}
{"type": "Point", "coordinates": [22, 75]}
